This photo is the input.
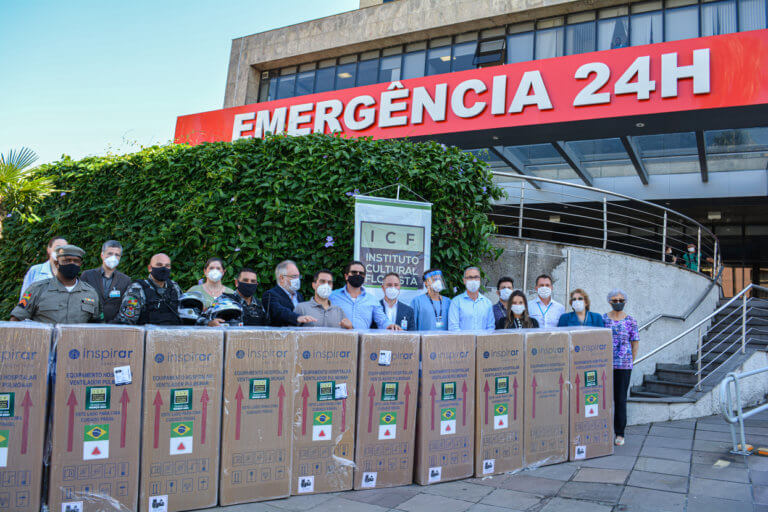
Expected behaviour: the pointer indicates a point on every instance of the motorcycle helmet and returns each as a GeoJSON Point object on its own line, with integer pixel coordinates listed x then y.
{"type": "Point", "coordinates": [226, 309]}
{"type": "Point", "coordinates": [190, 307]}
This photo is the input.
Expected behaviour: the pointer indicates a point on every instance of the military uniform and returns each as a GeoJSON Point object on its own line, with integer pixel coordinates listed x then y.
{"type": "Point", "coordinates": [49, 302]}
{"type": "Point", "coordinates": [145, 303]}
{"type": "Point", "coordinates": [253, 313]}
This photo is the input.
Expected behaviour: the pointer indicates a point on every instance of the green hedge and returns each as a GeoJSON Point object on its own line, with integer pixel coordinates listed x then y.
{"type": "Point", "coordinates": [252, 202]}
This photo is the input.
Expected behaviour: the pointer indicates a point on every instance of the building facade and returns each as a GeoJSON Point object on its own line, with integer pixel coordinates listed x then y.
{"type": "Point", "coordinates": [703, 152]}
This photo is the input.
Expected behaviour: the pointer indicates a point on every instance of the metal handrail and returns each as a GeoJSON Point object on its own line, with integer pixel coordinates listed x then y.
{"type": "Point", "coordinates": [741, 294]}
{"type": "Point", "coordinates": [727, 407]}
{"type": "Point", "coordinates": [628, 224]}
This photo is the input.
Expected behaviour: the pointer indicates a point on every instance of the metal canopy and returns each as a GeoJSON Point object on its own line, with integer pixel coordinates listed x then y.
{"type": "Point", "coordinates": [573, 160]}
{"type": "Point", "coordinates": [513, 162]}
{"type": "Point", "coordinates": [634, 156]}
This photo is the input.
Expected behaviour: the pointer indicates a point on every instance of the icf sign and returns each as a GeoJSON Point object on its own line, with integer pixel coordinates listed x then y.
{"type": "Point", "coordinates": [393, 236]}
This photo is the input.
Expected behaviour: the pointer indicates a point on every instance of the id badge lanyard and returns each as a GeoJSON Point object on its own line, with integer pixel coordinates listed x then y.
{"type": "Point", "coordinates": [543, 313]}
{"type": "Point", "coordinates": [438, 316]}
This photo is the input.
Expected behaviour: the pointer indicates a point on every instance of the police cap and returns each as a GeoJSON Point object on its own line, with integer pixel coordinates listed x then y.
{"type": "Point", "coordinates": [70, 250]}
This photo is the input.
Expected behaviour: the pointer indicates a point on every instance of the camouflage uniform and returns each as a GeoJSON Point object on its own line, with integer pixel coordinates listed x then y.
{"type": "Point", "coordinates": [145, 303]}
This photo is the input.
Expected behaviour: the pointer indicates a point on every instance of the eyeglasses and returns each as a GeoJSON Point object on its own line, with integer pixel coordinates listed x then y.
{"type": "Point", "coordinates": [618, 301]}
{"type": "Point", "coordinates": [357, 272]}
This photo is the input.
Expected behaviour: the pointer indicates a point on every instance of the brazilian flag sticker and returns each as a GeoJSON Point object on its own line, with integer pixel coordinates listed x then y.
{"type": "Point", "coordinates": [4, 434]}
{"type": "Point", "coordinates": [322, 426]}
{"type": "Point", "coordinates": [447, 421]}
{"type": "Point", "coordinates": [500, 416]}
{"type": "Point", "coordinates": [96, 442]}
{"type": "Point", "coordinates": [388, 425]}
{"type": "Point", "coordinates": [181, 437]}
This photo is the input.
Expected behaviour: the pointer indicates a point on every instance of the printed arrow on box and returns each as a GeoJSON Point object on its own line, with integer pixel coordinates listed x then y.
{"type": "Point", "coordinates": [533, 399]}
{"type": "Point", "coordinates": [304, 397]}
{"type": "Point", "coordinates": [514, 387]}
{"type": "Point", "coordinates": [407, 394]}
{"type": "Point", "coordinates": [27, 405]}
{"type": "Point", "coordinates": [204, 399]}
{"type": "Point", "coordinates": [578, 381]}
{"type": "Point", "coordinates": [486, 389]}
{"type": "Point", "coordinates": [281, 398]}
{"type": "Point", "coordinates": [371, 395]}
{"type": "Point", "coordinates": [157, 402]}
{"type": "Point", "coordinates": [238, 412]}
{"type": "Point", "coordinates": [432, 394]}
{"type": "Point", "coordinates": [124, 399]}
{"type": "Point", "coordinates": [464, 404]}
{"type": "Point", "coordinates": [561, 394]}
{"type": "Point", "coordinates": [71, 403]}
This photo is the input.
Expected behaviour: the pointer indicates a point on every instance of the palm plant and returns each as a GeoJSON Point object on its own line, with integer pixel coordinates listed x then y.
{"type": "Point", "coordinates": [20, 188]}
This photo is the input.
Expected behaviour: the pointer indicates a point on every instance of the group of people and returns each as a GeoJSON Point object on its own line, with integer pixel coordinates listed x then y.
{"type": "Point", "coordinates": [56, 292]}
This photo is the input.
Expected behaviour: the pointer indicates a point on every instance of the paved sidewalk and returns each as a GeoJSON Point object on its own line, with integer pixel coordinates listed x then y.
{"type": "Point", "coordinates": [678, 465]}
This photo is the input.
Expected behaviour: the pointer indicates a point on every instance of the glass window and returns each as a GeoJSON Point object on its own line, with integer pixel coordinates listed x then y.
{"type": "Point", "coordinates": [646, 28]}
{"type": "Point", "coordinates": [464, 56]}
{"type": "Point", "coordinates": [390, 69]}
{"type": "Point", "coordinates": [439, 60]}
{"type": "Point", "coordinates": [580, 38]}
{"type": "Point", "coordinates": [345, 76]}
{"type": "Point", "coordinates": [325, 78]}
{"type": "Point", "coordinates": [669, 153]}
{"type": "Point", "coordinates": [718, 18]}
{"type": "Point", "coordinates": [286, 86]}
{"type": "Point", "coordinates": [751, 14]}
{"type": "Point", "coordinates": [612, 33]}
{"type": "Point", "coordinates": [737, 150]}
{"type": "Point", "coordinates": [549, 43]}
{"type": "Point", "coordinates": [543, 161]}
{"type": "Point", "coordinates": [603, 157]}
{"type": "Point", "coordinates": [413, 64]}
{"type": "Point", "coordinates": [681, 23]}
{"type": "Point", "coordinates": [305, 84]}
{"type": "Point", "coordinates": [520, 47]}
{"type": "Point", "coordinates": [368, 72]}
{"type": "Point", "coordinates": [272, 94]}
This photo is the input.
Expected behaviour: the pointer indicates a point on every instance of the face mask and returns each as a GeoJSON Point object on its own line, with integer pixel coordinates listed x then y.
{"type": "Point", "coordinates": [472, 286]}
{"type": "Point", "coordinates": [617, 307]}
{"type": "Point", "coordinates": [578, 305]}
{"type": "Point", "coordinates": [161, 273]}
{"type": "Point", "coordinates": [392, 293]}
{"type": "Point", "coordinates": [246, 289]}
{"type": "Point", "coordinates": [70, 270]}
{"type": "Point", "coordinates": [505, 293]}
{"type": "Point", "coordinates": [295, 284]}
{"type": "Point", "coordinates": [215, 275]}
{"type": "Point", "coordinates": [356, 281]}
{"type": "Point", "coordinates": [324, 291]}
{"type": "Point", "coordinates": [691, 249]}
{"type": "Point", "coordinates": [438, 286]}
{"type": "Point", "coordinates": [112, 262]}
{"type": "Point", "coordinates": [518, 309]}
{"type": "Point", "coordinates": [544, 292]}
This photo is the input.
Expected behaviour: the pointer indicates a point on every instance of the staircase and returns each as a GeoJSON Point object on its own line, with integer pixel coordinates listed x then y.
{"type": "Point", "coordinates": [721, 342]}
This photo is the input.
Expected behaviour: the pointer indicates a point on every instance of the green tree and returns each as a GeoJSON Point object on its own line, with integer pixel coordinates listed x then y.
{"type": "Point", "coordinates": [21, 189]}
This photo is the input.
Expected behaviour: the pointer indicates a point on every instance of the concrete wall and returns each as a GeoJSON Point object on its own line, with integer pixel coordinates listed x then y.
{"type": "Point", "coordinates": [652, 288]}
{"type": "Point", "coordinates": [753, 392]}
{"type": "Point", "coordinates": [376, 27]}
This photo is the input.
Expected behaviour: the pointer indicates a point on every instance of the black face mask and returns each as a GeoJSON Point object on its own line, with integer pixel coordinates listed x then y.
{"type": "Point", "coordinates": [161, 273]}
{"type": "Point", "coordinates": [356, 281]}
{"type": "Point", "coordinates": [247, 289]}
{"type": "Point", "coordinates": [70, 270]}
{"type": "Point", "coordinates": [617, 306]}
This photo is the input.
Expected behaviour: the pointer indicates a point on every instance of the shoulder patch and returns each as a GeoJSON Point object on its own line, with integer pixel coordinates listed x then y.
{"type": "Point", "coordinates": [132, 302]}
{"type": "Point", "coordinates": [25, 299]}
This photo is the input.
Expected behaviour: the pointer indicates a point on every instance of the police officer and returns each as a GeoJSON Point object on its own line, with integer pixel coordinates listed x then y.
{"type": "Point", "coordinates": [154, 300]}
{"type": "Point", "coordinates": [63, 299]}
{"type": "Point", "coordinates": [246, 284]}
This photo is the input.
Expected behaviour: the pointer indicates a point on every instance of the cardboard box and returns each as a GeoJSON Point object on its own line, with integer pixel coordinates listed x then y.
{"type": "Point", "coordinates": [445, 432]}
{"type": "Point", "coordinates": [499, 402]}
{"type": "Point", "coordinates": [256, 417]}
{"type": "Point", "coordinates": [24, 351]}
{"type": "Point", "coordinates": [386, 421]}
{"type": "Point", "coordinates": [182, 419]}
{"type": "Point", "coordinates": [591, 425]}
{"type": "Point", "coordinates": [96, 423]}
{"type": "Point", "coordinates": [324, 411]}
{"type": "Point", "coordinates": [546, 397]}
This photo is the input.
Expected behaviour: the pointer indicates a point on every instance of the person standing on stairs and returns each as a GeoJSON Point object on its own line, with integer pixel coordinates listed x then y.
{"type": "Point", "coordinates": [625, 343]}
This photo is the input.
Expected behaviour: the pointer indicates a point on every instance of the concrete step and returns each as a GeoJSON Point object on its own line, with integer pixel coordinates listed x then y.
{"type": "Point", "coordinates": [640, 391]}
{"type": "Point", "coordinates": [654, 384]}
{"type": "Point", "coordinates": [763, 303]}
{"type": "Point", "coordinates": [732, 323]}
{"type": "Point", "coordinates": [683, 374]}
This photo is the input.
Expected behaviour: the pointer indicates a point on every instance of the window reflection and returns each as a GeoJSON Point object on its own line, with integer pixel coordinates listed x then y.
{"type": "Point", "coordinates": [464, 56]}
{"type": "Point", "coordinates": [325, 79]}
{"type": "Point", "coordinates": [413, 64]}
{"type": "Point", "coordinates": [681, 23]}
{"type": "Point", "coordinates": [390, 68]}
{"type": "Point", "coordinates": [367, 72]}
{"type": "Point", "coordinates": [345, 76]}
{"type": "Point", "coordinates": [439, 60]}
{"type": "Point", "coordinates": [305, 84]}
{"type": "Point", "coordinates": [519, 47]}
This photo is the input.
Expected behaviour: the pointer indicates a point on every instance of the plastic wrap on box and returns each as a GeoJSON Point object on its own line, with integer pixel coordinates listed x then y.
{"type": "Point", "coordinates": [386, 420]}
{"type": "Point", "coordinates": [24, 357]}
{"type": "Point", "coordinates": [324, 411]}
{"type": "Point", "coordinates": [256, 426]}
{"type": "Point", "coordinates": [499, 402]}
{"type": "Point", "coordinates": [182, 418]}
{"type": "Point", "coordinates": [591, 424]}
{"type": "Point", "coordinates": [445, 432]}
{"type": "Point", "coordinates": [546, 397]}
{"type": "Point", "coordinates": [96, 414]}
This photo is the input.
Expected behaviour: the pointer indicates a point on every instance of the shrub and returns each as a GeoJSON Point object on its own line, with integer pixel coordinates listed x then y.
{"type": "Point", "coordinates": [253, 203]}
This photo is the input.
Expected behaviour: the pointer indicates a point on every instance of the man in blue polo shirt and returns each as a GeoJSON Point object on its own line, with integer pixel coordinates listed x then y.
{"type": "Point", "coordinates": [361, 307]}
{"type": "Point", "coordinates": [471, 311]}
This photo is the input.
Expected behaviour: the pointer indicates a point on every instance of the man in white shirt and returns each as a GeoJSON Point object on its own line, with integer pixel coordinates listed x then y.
{"type": "Point", "coordinates": [45, 270]}
{"type": "Point", "coordinates": [545, 310]}
{"type": "Point", "coordinates": [471, 311]}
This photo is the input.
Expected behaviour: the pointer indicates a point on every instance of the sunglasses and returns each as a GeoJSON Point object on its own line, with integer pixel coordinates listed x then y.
{"type": "Point", "coordinates": [357, 272]}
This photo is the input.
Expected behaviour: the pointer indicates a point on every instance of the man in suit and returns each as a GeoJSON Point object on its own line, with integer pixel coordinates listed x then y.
{"type": "Point", "coordinates": [110, 284]}
{"type": "Point", "coordinates": [397, 312]}
{"type": "Point", "coordinates": [279, 302]}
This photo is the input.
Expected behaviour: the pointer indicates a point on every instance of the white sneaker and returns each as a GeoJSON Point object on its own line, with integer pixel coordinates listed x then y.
{"type": "Point", "coordinates": [619, 441]}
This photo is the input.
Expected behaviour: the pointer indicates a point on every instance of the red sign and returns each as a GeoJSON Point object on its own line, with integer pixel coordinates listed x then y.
{"type": "Point", "coordinates": [710, 72]}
